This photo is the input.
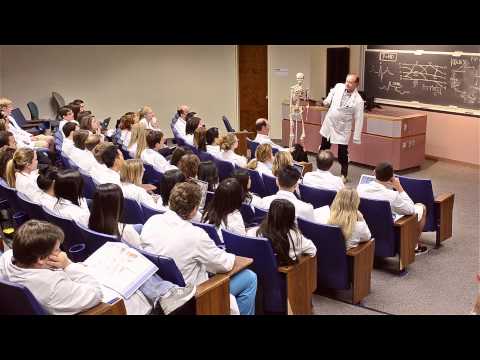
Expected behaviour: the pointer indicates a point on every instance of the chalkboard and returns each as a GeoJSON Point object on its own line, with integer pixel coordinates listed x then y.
{"type": "Point", "coordinates": [444, 77]}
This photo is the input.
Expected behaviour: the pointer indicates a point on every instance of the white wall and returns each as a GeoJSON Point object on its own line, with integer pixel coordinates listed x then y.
{"type": "Point", "coordinates": [115, 79]}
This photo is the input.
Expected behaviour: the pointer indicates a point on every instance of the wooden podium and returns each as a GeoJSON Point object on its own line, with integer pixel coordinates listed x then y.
{"type": "Point", "coordinates": [242, 141]}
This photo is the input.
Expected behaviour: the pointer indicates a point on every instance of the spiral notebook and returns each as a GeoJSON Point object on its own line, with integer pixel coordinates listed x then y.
{"type": "Point", "coordinates": [120, 268]}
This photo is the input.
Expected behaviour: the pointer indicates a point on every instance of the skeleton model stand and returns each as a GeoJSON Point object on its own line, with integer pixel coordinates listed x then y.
{"type": "Point", "coordinates": [297, 93]}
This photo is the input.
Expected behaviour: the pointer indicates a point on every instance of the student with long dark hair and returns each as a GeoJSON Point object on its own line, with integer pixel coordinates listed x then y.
{"type": "Point", "coordinates": [208, 172]}
{"type": "Point", "coordinates": [212, 136]}
{"type": "Point", "coordinates": [170, 179]}
{"type": "Point", "coordinates": [243, 178]}
{"type": "Point", "coordinates": [279, 227]}
{"type": "Point", "coordinates": [106, 212]}
{"type": "Point", "coordinates": [46, 181]}
{"type": "Point", "coordinates": [71, 204]}
{"type": "Point", "coordinates": [178, 153]}
{"type": "Point", "coordinates": [223, 211]}
{"type": "Point", "coordinates": [193, 124]}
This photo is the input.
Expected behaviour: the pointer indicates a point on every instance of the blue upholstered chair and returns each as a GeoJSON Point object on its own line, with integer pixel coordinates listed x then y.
{"type": "Point", "coordinates": [270, 183]}
{"type": "Point", "coordinates": [92, 239]}
{"type": "Point", "coordinates": [72, 236]}
{"type": "Point", "coordinates": [148, 212]}
{"type": "Point", "coordinates": [33, 210]}
{"type": "Point", "coordinates": [16, 299]}
{"type": "Point", "coordinates": [316, 197]}
{"type": "Point", "coordinates": [211, 230]}
{"type": "Point", "coordinates": [225, 168]}
{"type": "Point", "coordinates": [89, 186]}
{"type": "Point", "coordinates": [132, 212]}
{"type": "Point", "coordinates": [19, 216]}
{"type": "Point", "coordinates": [205, 156]}
{"type": "Point", "coordinates": [257, 186]}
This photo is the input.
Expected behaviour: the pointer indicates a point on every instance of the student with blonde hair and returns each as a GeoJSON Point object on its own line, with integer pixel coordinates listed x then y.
{"type": "Point", "coordinates": [344, 213]}
{"type": "Point", "coordinates": [131, 175]}
{"type": "Point", "coordinates": [147, 118]}
{"type": "Point", "coordinates": [200, 138]}
{"type": "Point", "coordinates": [142, 143]}
{"type": "Point", "coordinates": [22, 173]}
{"type": "Point", "coordinates": [228, 143]}
{"type": "Point", "coordinates": [281, 159]}
{"type": "Point", "coordinates": [138, 131]}
{"type": "Point", "coordinates": [263, 161]}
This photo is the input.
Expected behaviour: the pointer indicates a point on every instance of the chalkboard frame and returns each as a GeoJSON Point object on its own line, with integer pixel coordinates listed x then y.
{"type": "Point", "coordinates": [442, 49]}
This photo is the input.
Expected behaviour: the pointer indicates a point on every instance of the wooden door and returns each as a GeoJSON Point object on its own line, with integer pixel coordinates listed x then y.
{"type": "Point", "coordinates": [253, 84]}
{"type": "Point", "coordinates": [338, 65]}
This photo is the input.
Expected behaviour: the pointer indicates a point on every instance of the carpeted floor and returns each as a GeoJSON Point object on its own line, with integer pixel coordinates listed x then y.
{"type": "Point", "coordinates": [441, 281]}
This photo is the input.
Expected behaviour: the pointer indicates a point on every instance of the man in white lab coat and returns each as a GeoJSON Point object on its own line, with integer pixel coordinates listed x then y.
{"type": "Point", "coordinates": [346, 106]}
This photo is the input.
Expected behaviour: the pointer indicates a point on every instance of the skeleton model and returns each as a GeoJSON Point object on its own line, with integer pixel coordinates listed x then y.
{"type": "Point", "coordinates": [297, 93]}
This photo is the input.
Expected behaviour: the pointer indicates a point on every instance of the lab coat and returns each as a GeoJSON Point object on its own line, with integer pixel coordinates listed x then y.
{"type": "Point", "coordinates": [190, 246]}
{"type": "Point", "coordinates": [156, 159]}
{"type": "Point", "coordinates": [323, 180]}
{"type": "Point", "coordinates": [337, 125]}
{"type": "Point", "coordinates": [234, 223]}
{"type": "Point", "coordinates": [213, 150]}
{"type": "Point", "coordinates": [27, 184]}
{"type": "Point", "coordinates": [303, 246]}
{"type": "Point", "coordinates": [84, 159]}
{"type": "Point", "coordinates": [180, 126]}
{"type": "Point", "coordinates": [69, 210]}
{"type": "Point", "coordinates": [265, 139]}
{"type": "Point", "coordinates": [264, 168]}
{"type": "Point", "coordinates": [141, 195]}
{"type": "Point", "coordinates": [67, 146]}
{"type": "Point", "coordinates": [104, 175]}
{"type": "Point", "coordinates": [302, 209]}
{"type": "Point", "coordinates": [230, 156]}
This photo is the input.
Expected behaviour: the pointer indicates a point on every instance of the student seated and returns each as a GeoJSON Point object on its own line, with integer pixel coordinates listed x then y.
{"type": "Point", "coordinates": [344, 213]}
{"type": "Point", "coordinates": [90, 124]}
{"type": "Point", "coordinates": [147, 118]}
{"type": "Point", "coordinates": [81, 154]}
{"type": "Point", "coordinates": [7, 139]}
{"type": "Point", "coordinates": [33, 141]}
{"type": "Point", "coordinates": [228, 143]}
{"type": "Point", "coordinates": [171, 234]}
{"type": "Point", "coordinates": [388, 187]}
{"type": "Point", "coordinates": [170, 179]}
{"type": "Point", "coordinates": [263, 161]}
{"type": "Point", "coordinates": [109, 171]}
{"type": "Point", "coordinates": [155, 141]}
{"type": "Point", "coordinates": [180, 122]}
{"type": "Point", "coordinates": [200, 139]}
{"type": "Point", "coordinates": [138, 132]}
{"type": "Point", "coordinates": [287, 182]}
{"type": "Point", "coordinates": [105, 216]}
{"type": "Point", "coordinates": [208, 172]}
{"type": "Point", "coordinates": [263, 129]}
{"type": "Point", "coordinates": [178, 153]}
{"type": "Point", "coordinates": [280, 160]}
{"type": "Point", "coordinates": [280, 228]}
{"type": "Point", "coordinates": [68, 189]}
{"type": "Point", "coordinates": [193, 124]}
{"type": "Point", "coordinates": [67, 144]}
{"type": "Point", "coordinates": [46, 182]}
{"type": "Point", "coordinates": [188, 165]}
{"type": "Point", "coordinates": [36, 262]}
{"type": "Point", "coordinates": [67, 116]}
{"type": "Point", "coordinates": [223, 211]}
{"type": "Point", "coordinates": [212, 138]}
{"type": "Point", "coordinates": [243, 178]}
{"type": "Point", "coordinates": [126, 129]}
{"type": "Point", "coordinates": [322, 178]}
{"type": "Point", "coordinates": [131, 175]}
{"type": "Point", "coordinates": [22, 173]}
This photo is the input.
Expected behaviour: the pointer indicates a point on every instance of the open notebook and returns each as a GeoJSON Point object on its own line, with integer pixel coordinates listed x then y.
{"type": "Point", "coordinates": [120, 268]}
{"type": "Point", "coordinates": [365, 179]}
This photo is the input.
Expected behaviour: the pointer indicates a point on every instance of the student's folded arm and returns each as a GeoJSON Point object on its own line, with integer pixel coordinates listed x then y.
{"type": "Point", "coordinates": [307, 246]}
{"type": "Point", "coordinates": [403, 205]}
{"type": "Point", "coordinates": [363, 231]}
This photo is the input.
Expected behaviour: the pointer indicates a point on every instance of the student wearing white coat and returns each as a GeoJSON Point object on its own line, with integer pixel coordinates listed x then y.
{"type": "Point", "coordinates": [80, 154]}
{"type": "Point", "coordinates": [36, 262]}
{"type": "Point", "coordinates": [228, 143]}
{"type": "Point", "coordinates": [109, 171]}
{"type": "Point", "coordinates": [263, 161]}
{"type": "Point", "coordinates": [287, 181]}
{"type": "Point", "coordinates": [346, 106]}
{"type": "Point", "coordinates": [171, 234]}
{"type": "Point", "coordinates": [322, 178]}
{"type": "Point", "coordinates": [388, 187]}
{"type": "Point", "coordinates": [67, 116]}
{"type": "Point", "coordinates": [223, 211]}
{"type": "Point", "coordinates": [68, 130]}
{"type": "Point", "coordinates": [263, 129]}
{"type": "Point", "coordinates": [155, 141]}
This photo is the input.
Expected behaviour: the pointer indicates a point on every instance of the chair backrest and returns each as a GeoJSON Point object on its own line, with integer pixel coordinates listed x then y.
{"type": "Point", "coordinates": [151, 176]}
{"type": "Point", "coordinates": [19, 117]}
{"type": "Point", "coordinates": [167, 268]}
{"type": "Point", "coordinates": [125, 152]}
{"type": "Point", "coordinates": [72, 164]}
{"type": "Point", "coordinates": [316, 197]}
{"type": "Point", "coordinates": [378, 216]}
{"type": "Point", "coordinates": [58, 99]}
{"type": "Point", "coordinates": [208, 198]}
{"type": "Point", "coordinates": [33, 108]}
{"type": "Point", "coordinates": [211, 230]}
{"type": "Point", "coordinates": [270, 183]}
{"type": "Point", "coordinates": [16, 299]}
{"type": "Point", "coordinates": [93, 239]}
{"type": "Point", "coordinates": [132, 212]}
{"type": "Point", "coordinates": [252, 145]}
{"type": "Point", "coordinates": [332, 264]}
{"type": "Point", "coordinates": [89, 186]}
{"type": "Point", "coordinates": [10, 194]}
{"type": "Point", "coordinates": [248, 215]}
{"type": "Point", "coordinates": [180, 141]}
{"type": "Point", "coordinates": [205, 156]}
{"type": "Point", "coordinates": [225, 168]}
{"type": "Point", "coordinates": [264, 265]}
{"type": "Point", "coordinates": [58, 141]}
{"type": "Point", "coordinates": [176, 135]}
{"type": "Point", "coordinates": [33, 210]}
{"type": "Point", "coordinates": [260, 214]}
{"type": "Point", "coordinates": [421, 191]}
{"type": "Point", "coordinates": [191, 148]}
{"type": "Point", "coordinates": [228, 126]}
{"type": "Point", "coordinates": [148, 212]}
{"type": "Point", "coordinates": [64, 160]}
{"type": "Point", "coordinates": [72, 236]}
{"type": "Point", "coordinates": [257, 186]}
